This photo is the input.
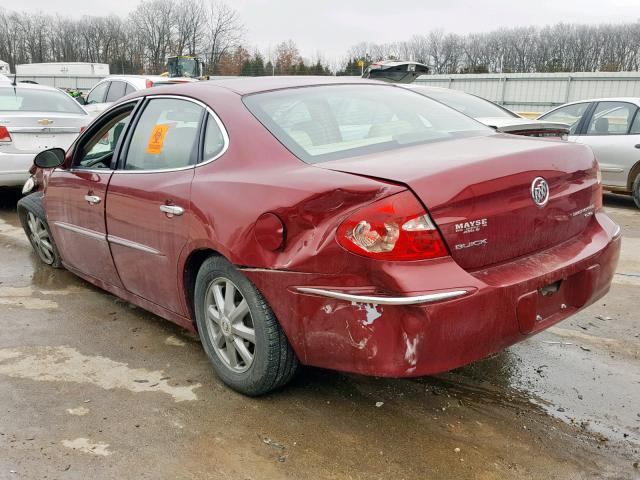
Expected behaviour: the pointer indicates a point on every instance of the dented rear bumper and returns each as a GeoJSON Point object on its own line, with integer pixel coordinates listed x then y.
{"type": "Point", "coordinates": [443, 317]}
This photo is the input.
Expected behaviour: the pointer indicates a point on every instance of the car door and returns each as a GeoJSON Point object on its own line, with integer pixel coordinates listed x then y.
{"type": "Point", "coordinates": [148, 202]}
{"type": "Point", "coordinates": [614, 136]}
{"type": "Point", "coordinates": [96, 98]}
{"type": "Point", "coordinates": [75, 198]}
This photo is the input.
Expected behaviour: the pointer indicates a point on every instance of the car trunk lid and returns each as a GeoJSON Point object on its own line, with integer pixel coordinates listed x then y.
{"type": "Point", "coordinates": [32, 132]}
{"type": "Point", "coordinates": [478, 191]}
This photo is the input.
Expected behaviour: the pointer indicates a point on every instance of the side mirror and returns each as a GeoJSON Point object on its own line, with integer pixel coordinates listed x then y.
{"type": "Point", "coordinates": [54, 157]}
{"type": "Point", "coordinates": [81, 100]}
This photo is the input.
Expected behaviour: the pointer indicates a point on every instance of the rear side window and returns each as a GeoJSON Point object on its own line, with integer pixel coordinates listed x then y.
{"type": "Point", "coordinates": [129, 89]}
{"type": "Point", "coordinates": [33, 100]}
{"type": "Point", "coordinates": [571, 115]}
{"type": "Point", "coordinates": [116, 91]}
{"type": "Point", "coordinates": [611, 118]}
{"type": "Point", "coordinates": [98, 93]}
{"type": "Point", "coordinates": [214, 139]}
{"type": "Point", "coordinates": [165, 136]}
{"type": "Point", "coordinates": [331, 122]}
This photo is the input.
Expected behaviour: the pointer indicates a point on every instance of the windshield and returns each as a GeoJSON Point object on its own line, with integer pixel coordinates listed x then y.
{"type": "Point", "coordinates": [327, 123]}
{"type": "Point", "coordinates": [183, 67]}
{"type": "Point", "coordinates": [470, 105]}
{"type": "Point", "coordinates": [17, 99]}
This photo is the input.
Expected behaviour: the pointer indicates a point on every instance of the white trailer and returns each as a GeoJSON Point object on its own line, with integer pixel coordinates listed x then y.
{"type": "Point", "coordinates": [71, 69]}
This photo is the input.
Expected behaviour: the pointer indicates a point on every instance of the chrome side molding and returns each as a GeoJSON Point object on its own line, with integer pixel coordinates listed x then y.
{"type": "Point", "coordinates": [412, 300]}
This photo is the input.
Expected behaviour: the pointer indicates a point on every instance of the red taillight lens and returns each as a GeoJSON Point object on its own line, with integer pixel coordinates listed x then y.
{"type": "Point", "coordinates": [394, 228]}
{"type": "Point", "coordinates": [4, 134]}
{"type": "Point", "coordinates": [597, 201]}
{"type": "Point", "coordinates": [149, 83]}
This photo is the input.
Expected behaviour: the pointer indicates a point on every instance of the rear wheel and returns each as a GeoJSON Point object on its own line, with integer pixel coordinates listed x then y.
{"type": "Point", "coordinates": [34, 223]}
{"type": "Point", "coordinates": [239, 332]}
{"type": "Point", "coordinates": [635, 191]}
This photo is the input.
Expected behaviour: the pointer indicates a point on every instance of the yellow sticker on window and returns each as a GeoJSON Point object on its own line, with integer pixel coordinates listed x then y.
{"type": "Point", "coordinates": [156, 139]}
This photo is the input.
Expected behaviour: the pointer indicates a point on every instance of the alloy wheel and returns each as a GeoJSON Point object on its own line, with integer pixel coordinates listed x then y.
{"type": "Point", "coordinates": [40, 238]}
{"type": "Point", "coordinates": [230, 325]}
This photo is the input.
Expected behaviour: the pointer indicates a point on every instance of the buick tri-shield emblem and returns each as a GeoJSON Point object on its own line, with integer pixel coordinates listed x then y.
{"type": "Point", "coordinates": [540, 191]}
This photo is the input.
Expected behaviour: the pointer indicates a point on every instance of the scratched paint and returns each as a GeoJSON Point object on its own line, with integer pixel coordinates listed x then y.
{"type": "Point", "coordinates": [371, 311]}
{"type": "Point", "coordinates": [66, 364]}
{"type": "Point", "coordinates": [85, 446]}
{"type": "Point", "coordinates": [411, 350]}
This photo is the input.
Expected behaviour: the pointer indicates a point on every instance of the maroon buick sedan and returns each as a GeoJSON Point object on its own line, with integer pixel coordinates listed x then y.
{"type": "Point", "coordinates": [345, 224]}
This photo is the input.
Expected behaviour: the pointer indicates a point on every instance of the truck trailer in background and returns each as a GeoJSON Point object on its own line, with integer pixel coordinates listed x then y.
{"type": "Point", "coordinates": [63, 68]}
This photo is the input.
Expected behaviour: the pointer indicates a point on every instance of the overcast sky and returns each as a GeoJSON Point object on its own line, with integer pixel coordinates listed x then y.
{"type": "Point", "coordinates": [331, 26]}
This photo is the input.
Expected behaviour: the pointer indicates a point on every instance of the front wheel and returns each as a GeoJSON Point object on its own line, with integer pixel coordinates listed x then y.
{"type": "Point", "coordinates": [635, 191]}
{"type": "Point", "coordinates": [34, 223]}
{"type": "Point", "coordinates": [239, 332]}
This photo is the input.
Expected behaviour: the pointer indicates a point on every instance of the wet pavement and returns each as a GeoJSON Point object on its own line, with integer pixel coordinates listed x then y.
{"type": "Point", "coordinates": [92, 387]}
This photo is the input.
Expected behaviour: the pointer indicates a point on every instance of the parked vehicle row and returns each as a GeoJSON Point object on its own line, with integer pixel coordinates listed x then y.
{"type": "Point", "coordinates": [611, 127]}
{"type": "Point", "coordinates": [349, 225]}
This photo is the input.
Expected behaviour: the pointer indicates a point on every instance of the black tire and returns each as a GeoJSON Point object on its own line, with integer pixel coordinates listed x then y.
{"type": "Point", "coordinates": [635, 191]}
{"type": "Point", "coordinates": [32, 205]}
{"type": "Point", "coordinates": [274, 362]}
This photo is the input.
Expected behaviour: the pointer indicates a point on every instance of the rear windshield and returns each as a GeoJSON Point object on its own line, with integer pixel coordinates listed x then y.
{"type": "Point", "coordinates": [325, 123]}
{"type": "Point", "coordinates": [468, 104]}
{"type": "Point", "coordinates": [17, 99]}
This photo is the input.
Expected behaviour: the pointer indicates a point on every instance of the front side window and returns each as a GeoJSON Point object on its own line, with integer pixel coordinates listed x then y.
{"type": "Point", "coordinates": [611, 118]}
{"type": "Point", "coordinates": [97, 151]}
{"type": "Point", "coordinates": [98, 93]}
{"type": "Point", "coordinates": [21, 99]}
{"type": "Point", "coordinates": [165, 136]}
{"type": "Point", "coordinates": [116, 91]}
{"type": "Point", "coordinates": [327, 123]}
{"type": "Point", "coordinates": [571, 115]}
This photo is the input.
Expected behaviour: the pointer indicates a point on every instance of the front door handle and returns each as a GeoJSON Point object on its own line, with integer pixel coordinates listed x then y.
{"type": "Point", "coordinates": [92, 199]}
{"type": "Point", "coordinates": [637, 145]}
{"type": "Point", "coordinates": [172, 210]}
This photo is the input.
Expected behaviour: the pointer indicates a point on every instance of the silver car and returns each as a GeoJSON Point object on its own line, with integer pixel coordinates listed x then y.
{"type": "Point", "coordinates": [34, 118]}
{"type": "Point", "coordinates": [611, 127]}
{"type": "Point", "coordinates": [113, 88]}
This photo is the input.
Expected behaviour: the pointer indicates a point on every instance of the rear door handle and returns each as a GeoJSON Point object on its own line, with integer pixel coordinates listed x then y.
{"type": "Point", "coordinates": [92, 199]}
{"type": "Point", "coordinates": [172, 210]}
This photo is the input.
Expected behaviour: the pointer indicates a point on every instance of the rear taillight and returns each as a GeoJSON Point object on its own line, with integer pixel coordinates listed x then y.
{"type": "Point", "coordinates": [5, 137]}
{"type": "Point", "coordinates": [148, 83]}
{"type": "Point", "coordinates": [82, 129]}
{"type": "Point", "coordinates": [597, 193]}
{"type": "Point", "coordinates": [394, 228]}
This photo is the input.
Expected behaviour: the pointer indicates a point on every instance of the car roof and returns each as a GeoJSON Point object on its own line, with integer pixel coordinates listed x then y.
{"type": "Point", "coordinates": [635, 100]}
{"type": "Point", "coordinates": [29, 86]}
{"type": "Point", "coordinates": [249, 85]}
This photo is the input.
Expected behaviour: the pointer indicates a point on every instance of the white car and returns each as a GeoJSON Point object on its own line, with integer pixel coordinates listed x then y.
{"type": "Point", "coordinates": [611, 127]}
{"type": "Point", "coordinates": [113, 88]}
{"type": "Point", "coordinates": [491, 114]}
{"type": "Point", "coordinates": [34, 118]}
